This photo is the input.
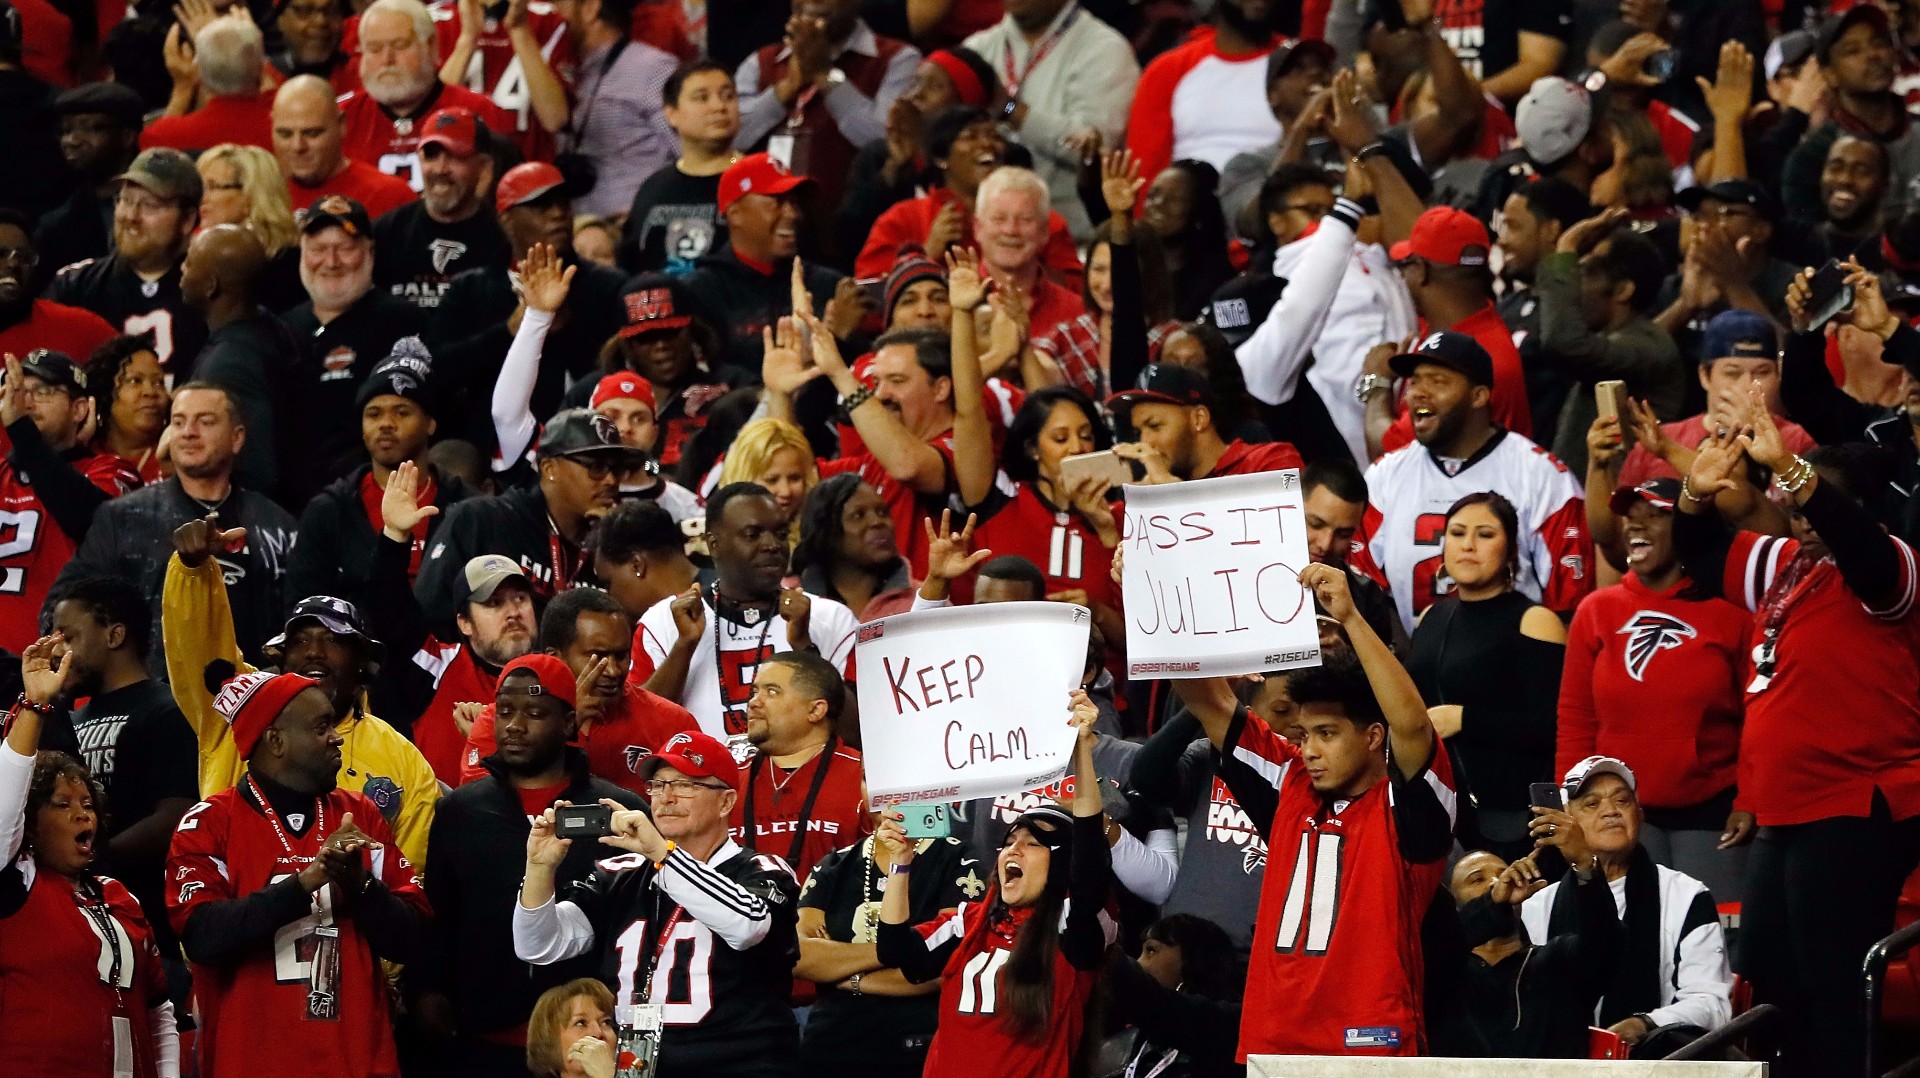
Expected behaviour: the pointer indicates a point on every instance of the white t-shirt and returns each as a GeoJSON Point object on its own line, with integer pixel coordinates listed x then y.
{"type": "Point", "coordinates": [743, 647]}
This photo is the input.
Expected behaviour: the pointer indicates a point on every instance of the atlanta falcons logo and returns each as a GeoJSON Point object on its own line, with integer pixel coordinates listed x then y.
{"type": "Point", "coordinates": [635, 754]}
{"type": "Point", "coordinates": [444, 252]}
{"type": "Point", "coordinates": [1648, 633]}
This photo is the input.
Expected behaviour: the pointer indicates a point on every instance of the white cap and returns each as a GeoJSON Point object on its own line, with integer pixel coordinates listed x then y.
{"type": "Point", "coordinates": [1553, 119]}
{"type": "Point", "coordinates": [1592, 767]}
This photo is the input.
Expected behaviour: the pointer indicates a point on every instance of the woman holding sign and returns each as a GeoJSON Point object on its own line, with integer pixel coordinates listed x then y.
{"type": "Point", "coordinates": [1487, 660]}
{"type": "Point", "coordinates": [1017, 976]}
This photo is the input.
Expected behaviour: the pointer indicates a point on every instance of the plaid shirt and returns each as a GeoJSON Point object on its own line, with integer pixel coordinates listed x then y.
{"type": "Point", "coordinates": [1075, 346]}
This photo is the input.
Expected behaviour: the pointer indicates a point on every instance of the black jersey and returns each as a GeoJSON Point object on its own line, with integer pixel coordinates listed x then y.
{"type": "Point", "coordinates": [111, 289]}
{"type": "Point", "coordinates": [416, 257]}
{"type": "Point", "coordinates": [722, 1007]}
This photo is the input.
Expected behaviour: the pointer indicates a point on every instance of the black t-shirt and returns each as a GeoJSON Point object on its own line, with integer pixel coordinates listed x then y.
{"type": "Point", "coordinates": [111, 289]}
{"type": "Point", "coordinates": [337, 359]}
{"type": "Point", "coordinates": [885, 1031]}
{"type": "Point", "coordinates": [674, 220]}
{"type": "Point", "coordinates": [1485, 34]}
{"type": "Point", "coordinates": [415, 256]}
{"type": "Point", "coordinates": [138, 744]}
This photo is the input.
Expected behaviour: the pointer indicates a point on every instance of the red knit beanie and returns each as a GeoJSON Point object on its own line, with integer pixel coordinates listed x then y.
{"type": "Point", "coordinates": [250, 702]}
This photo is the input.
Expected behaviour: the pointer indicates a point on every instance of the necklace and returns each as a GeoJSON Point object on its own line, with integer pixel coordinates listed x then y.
{"type": "Point", "coordinates": [866, 915]}
{"type": "Point", "coordinates": [780, 784]}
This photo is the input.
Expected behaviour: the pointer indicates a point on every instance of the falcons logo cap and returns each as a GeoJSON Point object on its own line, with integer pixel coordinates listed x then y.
{"type": "Point", "coordinates": [694, 754]}
{"type": "Point", "coordinates": [1593, 767]}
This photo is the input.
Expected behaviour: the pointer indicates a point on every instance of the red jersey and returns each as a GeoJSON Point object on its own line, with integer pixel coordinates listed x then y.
{"type": "Point", "coordinates": [1060, 542]}
{"type": "Point", "coordinates": [1336, 966]}
{"type": "Point", "coordinates": [59, 1016]}
{"type": "Point", "coordinates": [972, 1038]}
{"type": "Point", "coordinates": [1854, 667]}
{"type": "Point", "coordinates": [392, 143]}
{"type": "Point", "coordinates": [254, 1016]}
{"type": "Point", "coordinates": [632, 730]}
{"type": "Point", "coordinates": [1510, 407]}
{"type": "Point", "coordinates": [459, 679]}
{"type": "Point", "coordinates": [827, 792]}
{"type": "Point", "coordinates": [33, 546]}
{"type": "Point", "coordinates": [1244, 459]}
{"type": "Point", "coordinates": [1655, 678]}
{"type": "Point", "coordinates": [246, 120]}
{"type": "Point", "coordinates": [73, 330]}
{"type": "Point", "coordinates": [359, 181]}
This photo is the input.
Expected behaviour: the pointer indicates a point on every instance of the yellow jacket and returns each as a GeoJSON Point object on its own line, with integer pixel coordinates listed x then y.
{"type": "Point", "coordinates": [376, 759]}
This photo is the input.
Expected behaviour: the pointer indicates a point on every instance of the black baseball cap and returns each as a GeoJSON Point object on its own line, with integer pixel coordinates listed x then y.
{"type": "Point", "coordinates": [114, 100]}
{"type": "Point", "coordinates": [1288, 53]}
{"type": "Point", "coordinates": [336, 211]}
{"type": "Point", "coordinates": [1836, 25]}
{"type": "Point", "coordinates": [1734, 192]}
{"type": "Point", "coordinates": [1456, 350]}
{"type": "Point", "coordinates": [583, 432]}
{"type": "Point", "coordinates": [1663, 494]}
{"type": "Point", "coordinates": [336, 616]}
{"type": "Point", "coordinates": [1241, 305]}
{"type": "Point", "coordinates": [1166, 383]}
{"type": "Point", "coordinates": [56, 369]}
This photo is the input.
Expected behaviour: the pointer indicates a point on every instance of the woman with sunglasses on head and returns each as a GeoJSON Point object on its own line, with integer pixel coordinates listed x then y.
{"type": "Point", "coordinates": [85, 993]}
{"type": "Point", "coordinates": [1018, 968]}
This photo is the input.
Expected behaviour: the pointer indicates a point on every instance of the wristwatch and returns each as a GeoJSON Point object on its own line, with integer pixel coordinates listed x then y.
{"type": "Point", "coordinates": [853, 983]}
{"type": "Point", "coordinates": [1368, 385]}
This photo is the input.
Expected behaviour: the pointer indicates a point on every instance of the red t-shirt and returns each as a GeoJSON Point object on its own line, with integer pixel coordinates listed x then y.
{"type": "Point", "coordinates": [1854, 669]}
{"type": "Point", "coordinates": [359, 181]}
{"type": "Point", "coordinates": [73, 330]}
{"type": "Point", "coordinates": [46, 41]}
{"type": "Point", "coordinates": [776, 797]}
{"type": "Point", "coordinates": [246, 120]}
{"type": "Point", "coordinates": [1242, 458]}
{"type": "Point", "coordinates": [534, 801]}
{"type": "Point", "coordinates": [392, 144]}
{"type": "Point", "coordinates": [632, 730]}
{"type": "Point", "coordinates": [33, 546]}
{"type": "Point", "coordinates": [1510, 408]}
{"type": "Point", "coordinates": [907, 507]}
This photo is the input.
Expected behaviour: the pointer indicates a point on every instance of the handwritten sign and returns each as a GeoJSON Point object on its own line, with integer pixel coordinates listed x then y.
{"type": "Point", "coordinates": [968, 701]}
{"type": "Point", "coordinates": [1212, 577]}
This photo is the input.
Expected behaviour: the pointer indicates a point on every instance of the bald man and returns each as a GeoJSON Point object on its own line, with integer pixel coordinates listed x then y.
{"type": "Point", "coordinates": [249, 353]}
{"type": "Point", "coordinates": [308, 133]}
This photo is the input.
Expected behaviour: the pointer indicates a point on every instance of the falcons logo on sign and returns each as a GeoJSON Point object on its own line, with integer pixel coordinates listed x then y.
{"type": "Point", "coordinates": [1648, 633]}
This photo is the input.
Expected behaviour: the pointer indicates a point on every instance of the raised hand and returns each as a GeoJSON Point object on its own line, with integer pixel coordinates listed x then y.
{"type": "Point", "coordinates": [1120, 182]}
{"type": "Point", "coordinates": [16, 398]}
{"type": "Point", "coordinates": [1585, 235]}
{"type": "Point", "coordinates": [1716, 466]}
{"type": "Point", "coordinates": [782, 369]}
{"type": "Point", "coordinates": [947, 556]}
{"type": "Point", "coordinates": [1731, 90]}
{"type": "Point", "coordinates": [826, 351]}
{"type": "Point", "coordinates": [796, 607]}
{"type": "Point", "coordinates": [847, 307]}
{"type": "Point", "coordinates": [1762, 440]}
{"type": "Point", "coordinates": [1521, 881]}
{"type": "Point", "coordinates": [948, 227]}
{"type": "Point", "coordinates": [1084, 714]}
{"type": "Point", "coordinates": [1351, 125]}
{"type": "Point", "coordinates": [966, 287]}
{"type": "Point", "coordinates": [689, 615]}
{"type": "Point", "coordinates": [543, 847]}
{"type": "Point", "coordinates": [797, 286]}
{"type": "Point", "coordinates": [197, 540]}
{"type": "Point", "coordinates": [543, 280]}
{"type": "Point", "coordinates": [1331, 590]}
{"type": "Point", "coordinates": [634, 832]}
{"type": "Point", "coordinates": [1603, 441]}
{"type": "Point", "coordinates": [1628, 64]}
{"type": "Point", "coordinates": [1648, 431]}
{"type": "Point", "coordinates": [177, 53]}
{"type": "Point", "coordinates": [1554, 827]}
{"type": "Point", "coordinates": [400, 508]}
{"type": "Point", "coordinates": [46, 669]}
{"type": "Point", "coordinates": [891, 835]}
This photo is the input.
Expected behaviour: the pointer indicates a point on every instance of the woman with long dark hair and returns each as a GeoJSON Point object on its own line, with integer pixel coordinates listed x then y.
{"type": "Point", "coordinates": [1183, 995]}
{"type": "Point", "coordinates": [848, 551]}
{"type": "Point", "coordinates": [1183, 211]}
{"type": "Point", "coordinates": [1487, 660]}
{"type": "Point", "coordinates": [86, 996]}
{"type": "Point", "coordinates": [1020, 966]}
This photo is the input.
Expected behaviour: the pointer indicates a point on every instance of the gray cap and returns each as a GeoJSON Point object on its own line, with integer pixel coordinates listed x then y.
{"type": "Point", "coordinates": [1592, 768]}
{"type": "Point", "coordinates": [484, 575]}
{"type": "Point", "coordinates": [1553, 119]}
{"type": "Point", "coordinates": [165, 172]}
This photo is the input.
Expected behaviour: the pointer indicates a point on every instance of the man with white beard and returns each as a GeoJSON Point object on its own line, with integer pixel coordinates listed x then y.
{"type": "Point", "coordinates": [345, 328]}
{"type": "Point", "coordinates": [422, 245]}
{"type": "Point", "coordinates": [400, 88]}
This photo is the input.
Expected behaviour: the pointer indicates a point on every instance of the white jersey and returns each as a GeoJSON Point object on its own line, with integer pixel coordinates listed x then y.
{"type": "Point", "coordinates": [1410, 490]}
{"type": "Point", "coordinates": [743, 647]}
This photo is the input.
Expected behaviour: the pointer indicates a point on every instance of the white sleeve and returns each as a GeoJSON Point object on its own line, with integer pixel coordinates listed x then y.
{"type": "Point", "coordinates": [166, 1040]}
{"type": "Point", "coordinates": [1533, 914]}
{"type": "Point", "coordinates": [553, 932]}
{"type": "Point", "coordinates": [1147, 868]}
{"type": "Point", "coordinates": [1271, 360]}
{"type": "Point", "coordinates": [16, 774]}
{"type": "Point", "coordinates": [929, 604]}
{"type": "Point", "coordinates": [513, 422]}
{"type": "Point", "coordinates": [1702, 979]}
{"type": "Point", "coordinates": [735, 914]}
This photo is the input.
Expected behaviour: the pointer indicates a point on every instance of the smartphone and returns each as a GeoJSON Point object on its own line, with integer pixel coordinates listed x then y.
{"type": "Point", "coordinates": [583, 821]}
{"type": "Point", "coordinates": [1116, 470]}
{"type": "Point", "coordinates": [1661, 65]}
{"type": "Point", "coordinates": [926, 819]}
{"type": "Point", "coordinates": [875, 289]}
{"type": "Point", "coordinates": [1608, 395]}
{"type": "Point", "coordinates": [1828, 294]}
{"type": "Point", "coordinates": [1546, 795]}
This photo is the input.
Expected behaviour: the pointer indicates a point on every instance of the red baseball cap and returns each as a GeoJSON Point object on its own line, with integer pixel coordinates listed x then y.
{"type": "Point", "coordinates": [695, 754]}
{"type": "Point", "coordinates": [1448, 237]}
{"type": "Point", "coordinates": [556, 677]}
{"type": "Point", "coordinates": [524, 183]}
{"type": "Point", "coordinates": [454, 129]}
{"type": "Point", "coordinates": [756, 174]}
{"type": "Point", "coordinates": [623, 385]}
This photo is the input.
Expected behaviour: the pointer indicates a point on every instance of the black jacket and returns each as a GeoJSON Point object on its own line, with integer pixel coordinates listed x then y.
{"type": "Point", "coordinates": [335, 359]}
{"type": "Point", "coordinates": [1832, 417]}
{"type": "Point", "coordinates": [478, 849]}
{"type": "Point", "coordinates": [337, 542]}
{"type": "Point", "coordinates": [132, 538]}
{"type": "Point", "coordinates": [253, 359]}
{"type": "Point", "coordinates": [739, 301]}
{"type": "Point", "coordinates": [73, 231]}
{"type": "Point", "coordinates": [514, 524]}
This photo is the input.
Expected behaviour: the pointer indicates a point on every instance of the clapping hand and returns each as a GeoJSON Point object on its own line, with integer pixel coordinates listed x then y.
{"type": "Point", "coordinates": [966, 286]}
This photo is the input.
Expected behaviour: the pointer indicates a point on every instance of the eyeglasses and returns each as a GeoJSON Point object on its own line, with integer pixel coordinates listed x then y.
{"type": "Point", "coordinates": [597, 467]}
{"type": "Point", "coordinates": [678, 787]}
{"type": "Point", "coordinates": [44, 392]}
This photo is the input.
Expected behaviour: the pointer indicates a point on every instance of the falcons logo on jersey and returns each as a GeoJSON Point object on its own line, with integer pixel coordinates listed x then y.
{"type": "Point", "coordinates": [1648, 633]}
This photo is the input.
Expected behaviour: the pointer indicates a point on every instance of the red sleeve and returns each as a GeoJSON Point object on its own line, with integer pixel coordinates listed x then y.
{"type": "Point", "coordinates": [892, 231]}
{"type": "Point", "coordinates": [1398, 436]}
{"type": "Point", "coordinates": [1150, 122]}
{"type": "Point", "coordinates": [1361, 555]}
{"type": "Point", "coordinates": [196, 861]}
{"type": "Point", "coordinates": [643, 665]}
{"type": "Point", "coordinates": [1313, 19]}
{"type": "Point", "coordinates": [1571, 577]}
{"type": "Point", "coordinates": [480, 745]}
{"type": "Point", "coordinates": [1062, 256]}
{"type": "Point", "coordinates": [660, 718]}
{"type": "Point", "coordinates": [1255, 744]}
{"type": "Point", "coordinates": [1752, 562]}
{"type": "Point", "coordinates": [1578, 728]}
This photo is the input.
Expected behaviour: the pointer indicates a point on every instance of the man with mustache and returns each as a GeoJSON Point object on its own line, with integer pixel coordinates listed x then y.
{"type": "Point", "coordinates": [452, 228]}
{"type": "Point", "coordinates": [308, 132]}
{"type": "Point", "coordinates": [1856, 54]}
{"type": "Point", "coordinates": [344, 329]}
{"type": "Point", "coordinates": [400, 88]}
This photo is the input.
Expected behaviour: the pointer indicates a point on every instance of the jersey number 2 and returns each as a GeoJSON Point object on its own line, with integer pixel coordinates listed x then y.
{"type": "Point", "coordinates": [294, 944]}
{"type": "Point", "coordinates": [1313, 895]}
{"type": "Point", "coordinates": [18, 533]}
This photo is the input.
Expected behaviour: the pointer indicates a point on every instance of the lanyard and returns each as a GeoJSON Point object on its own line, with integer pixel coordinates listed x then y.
{"type": "Point", "coordinates": [660, 941]}
{"type": "Point", "coordinates": [806, 807]}
{"type": "Point", "coordinates": [1040, 52]}
{"type": "Point", "coordinates": [319, 817]}
{"type": "Point", "coordinates": [579, 129]}
{"type": "Point", "coordinates": [800, 104]}
{"type": "Point", "coordinates": [564, 567]}
{"type": "Point", "coordinates": [720, 668]}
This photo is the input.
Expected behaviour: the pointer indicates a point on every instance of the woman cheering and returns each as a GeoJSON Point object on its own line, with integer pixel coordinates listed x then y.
{"type": "Point", "coordinates": [83, 989]}
{"type": "Point", "coordinates": [1017, 973]}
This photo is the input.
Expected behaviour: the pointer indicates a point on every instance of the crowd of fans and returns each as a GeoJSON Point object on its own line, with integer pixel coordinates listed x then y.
{"type": "Point", "coordinates": [427, 426]}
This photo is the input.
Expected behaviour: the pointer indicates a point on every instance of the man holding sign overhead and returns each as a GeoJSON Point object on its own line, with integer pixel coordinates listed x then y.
{"type": "Point", "coordinates": [1358, 818]}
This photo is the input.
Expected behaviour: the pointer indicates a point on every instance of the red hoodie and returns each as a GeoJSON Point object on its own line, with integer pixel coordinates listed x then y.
{"type": "Point", "coordinates": [1656, 679]}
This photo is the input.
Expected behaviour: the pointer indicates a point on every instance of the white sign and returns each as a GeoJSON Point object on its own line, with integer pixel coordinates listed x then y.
{"type": "Point", "coordinates": [1212, 577]}
{"type": "Point", "coordinates": [968, 701]}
